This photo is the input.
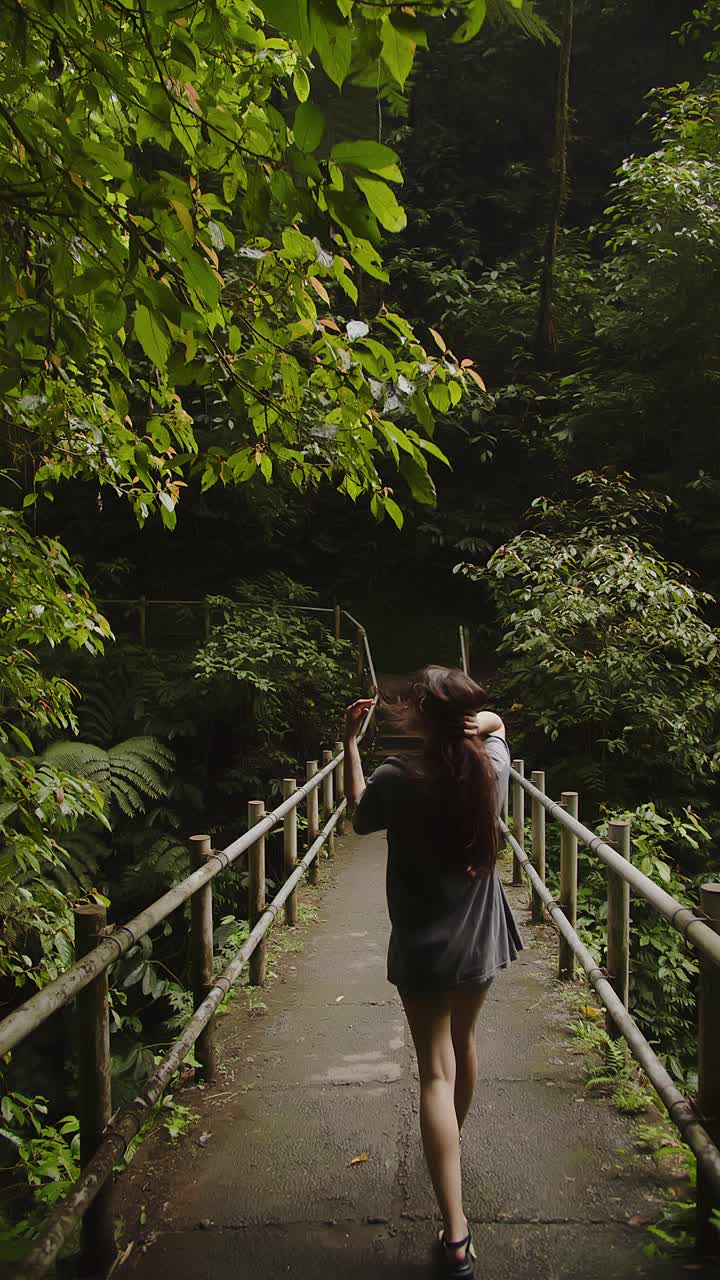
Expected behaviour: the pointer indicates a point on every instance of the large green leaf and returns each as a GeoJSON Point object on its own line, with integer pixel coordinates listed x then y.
{"type": "Point", "coordinates": [308, 127]}
{"type": "Point", "coordinates": [398, 50]}
{"type": "Point", "coordinates": [151, 333]}
{"type": "Point", "coordinates": [370, 155]}
{"type": "Point", "coordinates": [476, 13]}
{"type": "Point", "coordinates": [418, 479]}
{"type": "Point", "coordinates": [290, 17]}
{"type": "Point", "coordinates": [332, 38]}
{"type": "Point", "coordinates": [383, 202]}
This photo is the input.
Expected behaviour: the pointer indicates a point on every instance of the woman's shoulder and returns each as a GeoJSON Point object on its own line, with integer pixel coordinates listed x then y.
{"type": "Point", "coordinates": [393, 768]}
{"type": "Point", "coordinates": [498, 750]}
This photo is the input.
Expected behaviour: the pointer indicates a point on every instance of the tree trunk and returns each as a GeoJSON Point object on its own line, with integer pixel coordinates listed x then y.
{"type": "Point", "coordinates": [546, 343]}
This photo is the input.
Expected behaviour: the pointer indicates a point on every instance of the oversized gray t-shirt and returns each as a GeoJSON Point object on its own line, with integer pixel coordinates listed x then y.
{"type": "Point", "coordinates": [449, 931]}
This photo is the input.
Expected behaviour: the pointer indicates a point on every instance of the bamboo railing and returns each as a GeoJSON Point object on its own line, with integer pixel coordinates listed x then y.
{"type": "Point", "coordinates": [104, 1137]}
{"type": "Point", "coordinates": [699, 1123]}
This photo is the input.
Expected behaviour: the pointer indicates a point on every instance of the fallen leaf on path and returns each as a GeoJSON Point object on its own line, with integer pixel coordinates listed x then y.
{"type": "Point", "coordinates": [591, 1012]}
{"type": "Point", "coordinates": [339, 998]}
{"type": "Point", "coordinates": [639, 1220]}
{"type": "Point", "coordinates": [359, 1159]}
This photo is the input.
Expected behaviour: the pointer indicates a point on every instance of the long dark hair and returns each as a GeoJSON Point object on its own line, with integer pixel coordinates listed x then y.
{"type": "Point", "coordinates": [454, 767]}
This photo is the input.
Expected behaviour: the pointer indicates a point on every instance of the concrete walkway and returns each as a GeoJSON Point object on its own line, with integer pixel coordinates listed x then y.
{"type": "Point", "coordinates": [264, 1185]}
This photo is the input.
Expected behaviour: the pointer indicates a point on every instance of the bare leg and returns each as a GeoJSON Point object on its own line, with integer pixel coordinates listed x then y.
{"type": "Point", "coordinates": [429, 1019]}
{"type": "Point", "coordinates": [465, 1008]}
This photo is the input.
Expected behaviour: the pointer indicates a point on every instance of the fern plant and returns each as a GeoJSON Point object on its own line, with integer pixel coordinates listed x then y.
{"type": "Point", "coordinates": [128, 774]}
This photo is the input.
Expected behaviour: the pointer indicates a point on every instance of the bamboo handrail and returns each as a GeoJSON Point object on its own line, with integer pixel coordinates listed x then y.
{"type": "Point", "coordinates": [40, 1006]}
{"type": "Point", "coordinates": [680, 1109]}
{"type": "Point", "coordinates": [123, 1127]}
{"type": "Point", "coordinates": [682, 918]}
{"type": "Point", "coordinates": [127, 1123]}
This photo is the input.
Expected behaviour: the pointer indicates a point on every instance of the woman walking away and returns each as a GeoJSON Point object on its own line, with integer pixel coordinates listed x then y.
{"type": "Point", "coordinates": [452, 928]}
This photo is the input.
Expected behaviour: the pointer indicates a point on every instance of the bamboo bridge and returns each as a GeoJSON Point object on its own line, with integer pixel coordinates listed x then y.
{"type": "Point", "coordinates": [306, 1154]}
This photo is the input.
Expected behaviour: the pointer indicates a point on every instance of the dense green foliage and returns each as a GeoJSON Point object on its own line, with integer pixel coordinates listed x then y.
{"type": "Point", "coordinates": [605, 645]}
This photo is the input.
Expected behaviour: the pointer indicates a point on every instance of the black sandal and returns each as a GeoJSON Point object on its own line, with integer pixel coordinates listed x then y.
{"type": "Point", "coordinates": [451, 1266]}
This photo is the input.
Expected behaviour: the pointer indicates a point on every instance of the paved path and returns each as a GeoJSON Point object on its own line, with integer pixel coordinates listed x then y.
{"type": "Point", "coordinates": [264, 1186]}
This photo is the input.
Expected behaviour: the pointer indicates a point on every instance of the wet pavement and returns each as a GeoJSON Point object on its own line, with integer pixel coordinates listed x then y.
{"type": "Point", "coordinates": [264, 1184]}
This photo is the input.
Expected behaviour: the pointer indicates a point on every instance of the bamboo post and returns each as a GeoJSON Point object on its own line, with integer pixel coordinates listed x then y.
{"type": "Point", "coordinates": [328, 801]}
{"type": "Point", "coordinates": [518, 808]}
{"type": "Point", "coordinates": [340, 787]}
{"type": "Point", "coordinates": [618, 923]}
{"type": "Point", "coordinates": [537, 777]}
{"type": "Point", "coordinates": [463, 655]}
{"type": "Point", "coordinates": [94, 1093]}
{"type": "Point", "coordinates": [142, 611]}
{"type": "Point", "coordinates": [338, 621]}
{"type": "Point", "coordinates": [290, 849]}
{"type": "Point", "coordinates": [313, 818]}
{"type": "Point", "coordinates": [466, 637]}
{"type": "Point", "coordinates": [360, 652]}
{"type": "Point", "coordinates": [256, 892]}
{"type": "Point", "coordinates": [568, 883]}
{"type": "Point", "coordinates": [201, 951]}
{"type": "Point", "coordinates": [708, 1239]}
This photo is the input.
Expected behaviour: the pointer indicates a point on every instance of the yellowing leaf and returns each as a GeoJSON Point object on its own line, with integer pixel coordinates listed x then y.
{"type": "Point", "coordinates": [210, 253]}
{"type": "Point", "coordinates": [359, 1159]}
{"type": "Point", "coordinates": [476, 378]}
{"type": "Point", "coordinates": [193, 98]}
{"type": "Point", "coordinates": [590, 1011]}
{"type": "Point", "coordinates": [319, 288]}
{"type": "Point", "coordinates": [439, 340]}
{"type": "Point", "coordinates": [184, 217]}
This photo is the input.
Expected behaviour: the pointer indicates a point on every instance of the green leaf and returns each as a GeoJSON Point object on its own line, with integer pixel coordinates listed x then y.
{"type": "Point", "coordinates": [429, 447]}
{"type": "Point", "coordinates": [421, 409]}
{"type": "Point", "coordinates": [291, 18]}
{"type": "Point", "coordinates": [398, 51]}
{"type": "Point", "coordinates": [110, 311]}
{"type": "Point", "coordinates": [394, 512]}
{"type": "Point", "coordinates": [418, 479]}
{"type": "Point", "coordinates": [476, 13]}
{"type": "Point", "coordinates": [383, 203]}
{"type": "Point", "coordinates": [366, 154]}
{"type": "Point", "coordinates": [308, 127]}
{"type": "Point", "coordinates": [368, 259]}
{"type": "Point", "coordinates": [201, 278]}
{"type": "Point", "coordinates": [332, 38]}
{"type": "Point", "coordinates": [150, 332]}
{"type": "Point", "coordinates": [440, 396]}
{"type": "Point", "coordinates": [301, 84]}
{"type": "Point", "coordinates": [110, 158]}
{"type": "Point", "coordinates": [354, 217]}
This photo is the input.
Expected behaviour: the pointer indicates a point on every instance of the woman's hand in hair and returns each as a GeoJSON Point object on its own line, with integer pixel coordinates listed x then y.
{"type": "Point", "coordinates": [354, 716]}
{"type": "Point", "coordinates": [481, 723]}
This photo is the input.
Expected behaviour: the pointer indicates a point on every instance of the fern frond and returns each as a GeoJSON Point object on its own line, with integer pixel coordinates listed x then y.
{"type": "Point", "coordinates": [129, 774]}
{"type": "Point", "coordinates": [157, 866]}
{"type": "Point", "coordinates": [147, 748]}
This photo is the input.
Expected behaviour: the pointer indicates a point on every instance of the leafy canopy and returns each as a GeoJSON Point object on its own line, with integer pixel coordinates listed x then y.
{"type": "Point", "coordinates": [606, 644]}
{"type": "Point", "coordinates": [180, 236]}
